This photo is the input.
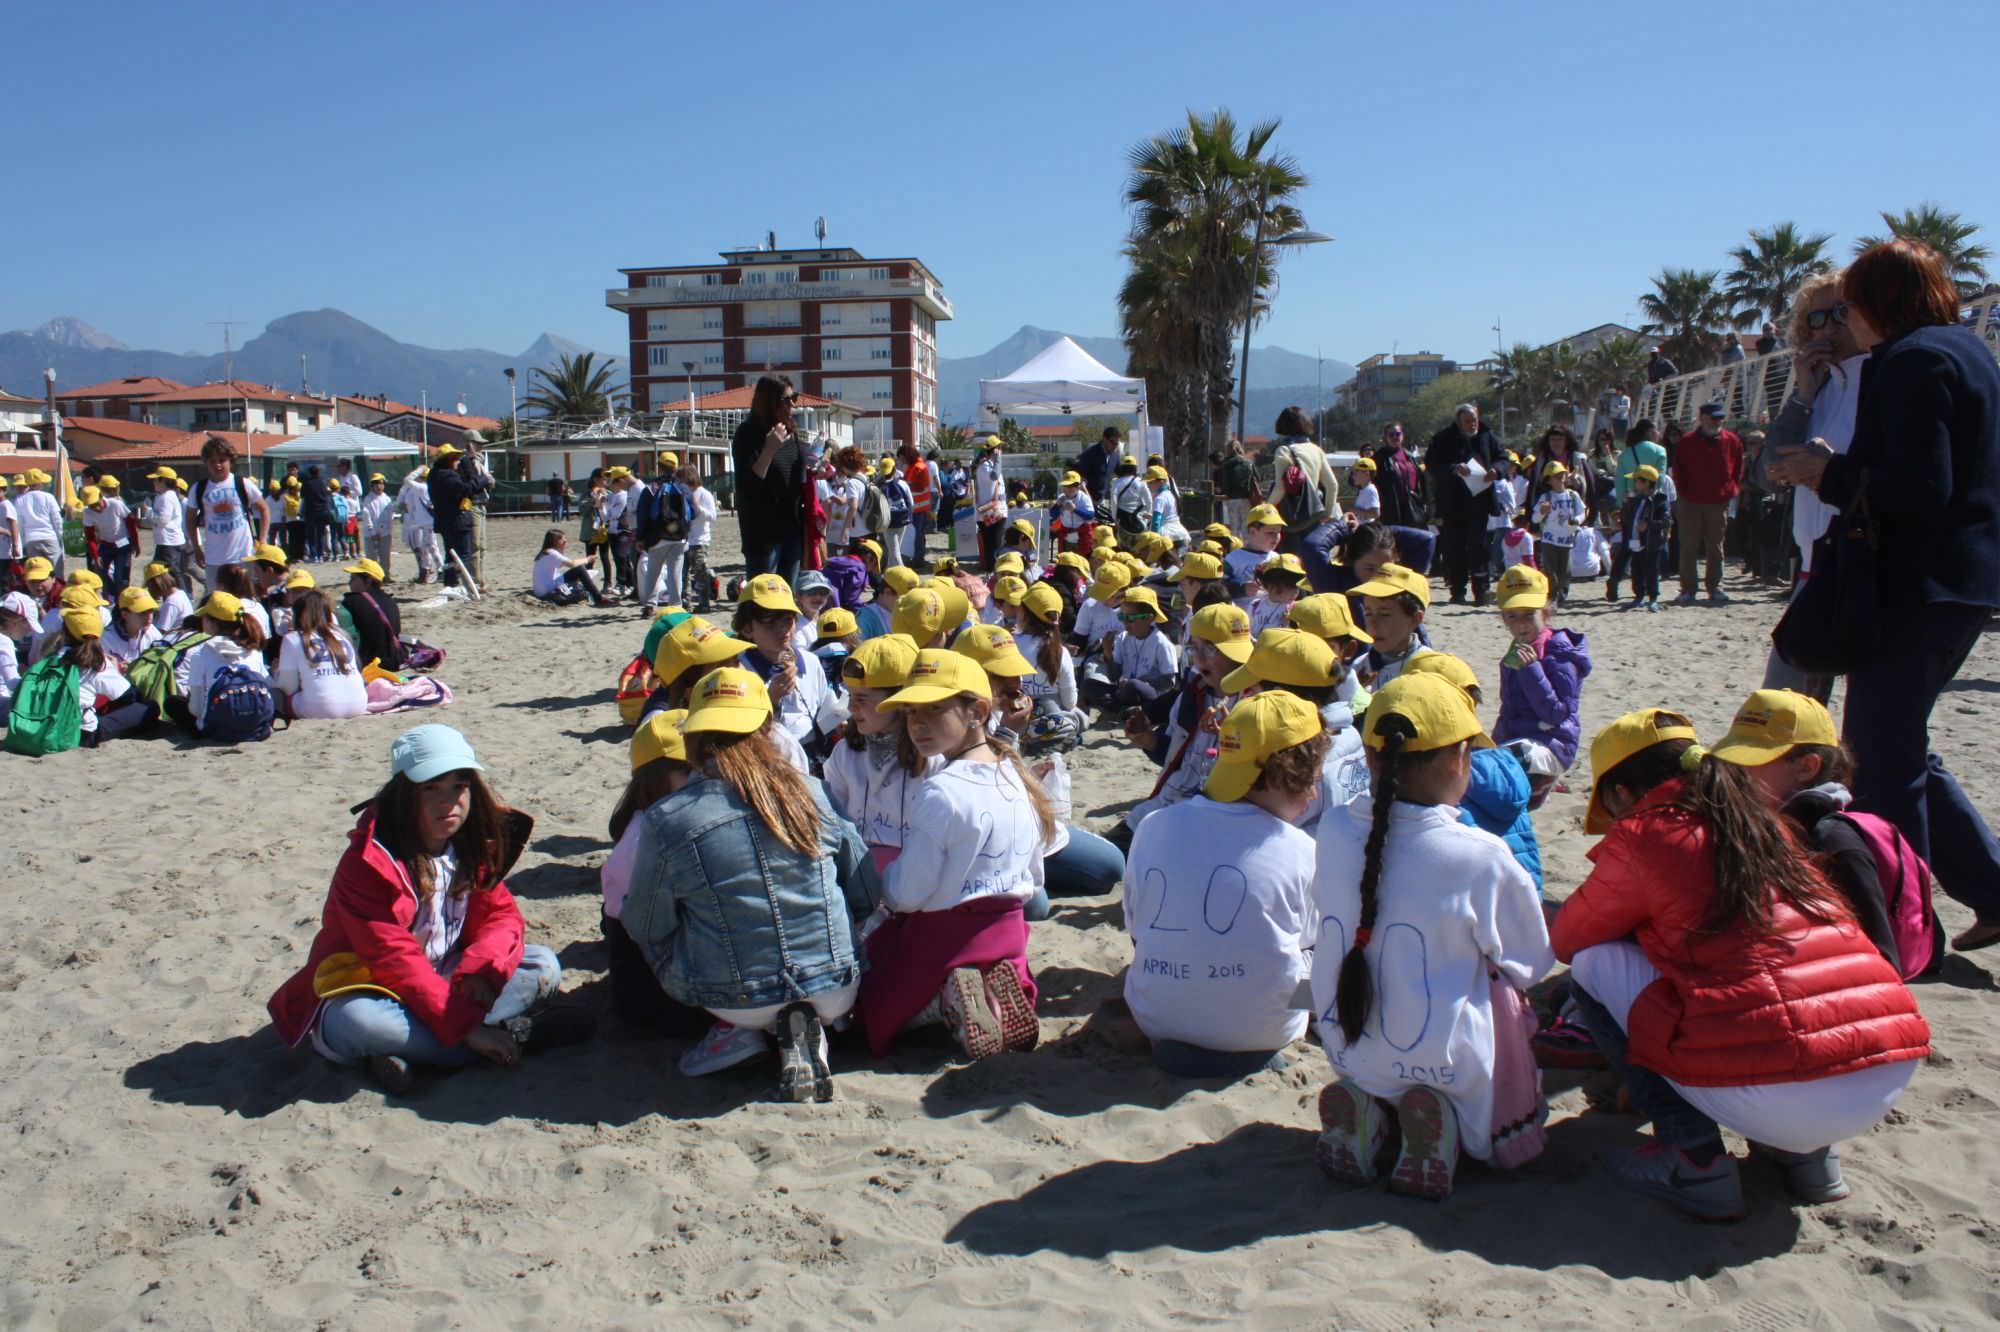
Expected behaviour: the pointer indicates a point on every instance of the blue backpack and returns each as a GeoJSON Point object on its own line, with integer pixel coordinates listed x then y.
{"type": "Point", "coordinates": [240, 706]}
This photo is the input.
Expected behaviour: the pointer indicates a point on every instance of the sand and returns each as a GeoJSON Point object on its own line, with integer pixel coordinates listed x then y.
{"type": "Point", "coordinates": [171, 1161]}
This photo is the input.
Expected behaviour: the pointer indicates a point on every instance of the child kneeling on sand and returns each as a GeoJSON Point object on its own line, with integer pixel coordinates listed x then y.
{"type": "Point", "coordinates": [659, 769]}
{"type": "Point", "coordinates": [1428, 931]}
{"type": "Point", "coordinates": [748, 890]}
{"type": "Point", "coordinates": [1218, 899]}
{"type": "Point", "coordinates": [1724, 977]}
{"type": "Point", "coordinates": [419, 958]}
{"type": "Point", "coordinates": [956, 949]}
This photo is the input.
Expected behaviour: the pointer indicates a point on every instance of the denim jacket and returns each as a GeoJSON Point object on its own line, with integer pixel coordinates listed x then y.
{"type": "Point", "coordinates": [728, 916]}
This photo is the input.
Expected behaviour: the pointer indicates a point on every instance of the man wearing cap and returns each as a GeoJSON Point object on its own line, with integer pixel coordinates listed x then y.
{"type": "Point", "coordinates": [451, 511]}
{"type": "Point", "coordinates": [663, 532]}
{"type": "Point", "coordinates": [218, 514]}
{"type": "Point", "coordinates": [39, 517]}
{"type": "Point", "coordinates": [1094, 466]}
{"type": "Point", "coordinates": [479, 479]}
{"type": "Point", "coordinates": [989, 502]}
{"type": "Point", "coordinates": [1658, 367]}
{"type": "Point", "coordinates": [1462, 511]}
{"type": "Point", "coordinates": [902, 511]}
{"type": "Point", "coordinates": [1708, 474]}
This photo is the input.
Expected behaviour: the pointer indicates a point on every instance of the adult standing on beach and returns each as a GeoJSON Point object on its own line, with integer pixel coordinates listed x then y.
{"type": "Point", "coordinates": [922, 479]}
{"type": "Point", "coordinates": [1310, 532]}
{"type": "Point", "coordinates": [1621, 411]}
{"type": "Point", "coordinates": [1708, 473]}
{"type": "Point", "coordinates": [1461, 511]}
{"type": "Point", "coordinates": [1235, 482]}
{"type": "Point", "coordinates": [1927, 446]}
{"type": "Point", "coordinates": [770, 482]}
{"type": "Point", "coordinates": [451, 511]}
{"type": "Point", "coordinates": [1399, 481]}
{"type": "Point", "coordinates": [1094, 465]}
{"type": "Point", "coordinates": [989, 501]}
{"type": "Point", "coordinates": [38, 519]}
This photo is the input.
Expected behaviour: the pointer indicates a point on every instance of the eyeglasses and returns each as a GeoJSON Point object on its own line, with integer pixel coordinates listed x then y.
{"type": "Point", "coordinates": [1394, 434]}
{"type": "Point", "coordinates": [1818, 319]}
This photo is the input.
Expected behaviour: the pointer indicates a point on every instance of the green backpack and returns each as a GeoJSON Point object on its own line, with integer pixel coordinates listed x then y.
{"type": "Point", "coordinates": [151, 673]}
{"type": "Point", "coordinates": [47, 716]}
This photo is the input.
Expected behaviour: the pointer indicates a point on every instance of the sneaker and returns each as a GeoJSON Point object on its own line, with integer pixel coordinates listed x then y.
{"type": "Point", "coordinates": [1713, 1192]}
{"type": "Point", "coordinates": [802, 1071]}
{"type": "Point", "coordinates": [1718, 598]}
{"type": "Point", "coordinates": [552, 1028]}
{"type": "Point", "coordinates": [1354, 1134]}
{"type": "Point", "coordinates": [725, 1046]}
{"type": "Point", "coordinates": [1566, 1044]}
{"type": "Point", "coordinates": [1429, 1159]}
{"type": "Point", "coordinates": [391, 1073]}
{"type": "Point", "coordinates": [1810, 1177]}
{"type": "Point", "coordinates": [1636, 603]}
{"type": "Point", "coordinates": [1653, 607]}
{"type": "Point", "coordinates": [1020, 1029]}
{"type": "Point", "coordinates": [1684, 599]}
{"type": "Point", "coordinates": [969, 1014]}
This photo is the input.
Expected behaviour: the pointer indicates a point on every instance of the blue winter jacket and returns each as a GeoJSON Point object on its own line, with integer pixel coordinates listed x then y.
{"type": "Point", "coordinates": [1496, 801]}
{"type": "Point", "coordinates": [728, 916]}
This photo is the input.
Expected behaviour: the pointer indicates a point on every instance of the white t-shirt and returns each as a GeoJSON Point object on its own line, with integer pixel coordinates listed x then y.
{"type": "Point", "coordinates": [378, 514]}
{"type": "Point", "coordinates": [107, 521]}
{"type": "Point", "coordinates": [1167, 513]}
{"type": "Point", "coordinates": [172, 611]}
{"type": "Point", "coordinates": [1190, 774]}
{"type": "Point", "coordinates": [8, 521]}
{"type": "Point", "coordinates": [1243, 563]}
{"type": "Point", "coordinates": [441, 917]}
{"type": "Point", "coordinates": [207, 661]}
{"type": "Point", "coordinates": [550, 566]}
{"type": "Point", "coordinates": [1516, 547]}
{"type": "Point", "coordinates": [1368, 499]}
{"type": "Point", "coordinates": [1038, 686]}
{"type": "Point", "coordinates": [841, 498]}
{"type": "Point", "coordinates": [1508, 492]}
{"type": "Point", "coordinates": [1343, 774]}
{"type": "Point", "coordinates": [1094, 619]}
{"type": "Point", "coordinates": [1143, 658]}
{"type": "Point", "coordinates": [39, 516]}
{"type": "Point", "coordinates": [1451, 903]}
{"type": "Point", "coordinates": [972, 833]}
{"type": "Point", "coordinates": [1218, 901]}
{"type": "Point", "coordinates": [126, 650]}
{"type": "Point", "coordinates": [988, 485]}
{"type": "Point", "coordinates": [316, 686]}
{"type": "Point", "coordinates": [10, 671]}
{"type": "Point", "coordinates": [1268, 614]}
{"type": "Point", "coordinates": [167, 519]}
{"type": "Point", "coordinates": [108, 684]}
{"type": "Point", "coordinates": [701, 516]}
{"type": "Point", "coordinates": [1560, 513]}
{"type": "Point", "coordinates": [415, 501]}
{"type": "Point", "coordinates": [875, 794]}
{"type": "Point", "coordinates": [616, 511]}
{"type": "Point", "coordinates": [226, 534]}
{"type": "Point", "coordinates": [811, 705]}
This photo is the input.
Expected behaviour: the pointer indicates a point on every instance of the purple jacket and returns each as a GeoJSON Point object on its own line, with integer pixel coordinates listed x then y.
{"type": "Point", "coordinates": [1539, 701]}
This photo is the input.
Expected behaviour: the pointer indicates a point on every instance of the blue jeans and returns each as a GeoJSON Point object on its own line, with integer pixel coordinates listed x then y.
{"type": "Point", "coordinates": [1896, 775]}
{"type": "Point", "coordinates": [356, 1027]}
{"type": "Point", "coordinates": [1198, 1061]}
{"type": "Point", "coordinates": [1316, 553]}
{"type": "Point", "coordinates": [780, 555]}
{"type": "Point", "coordinates": [1088, 867]}
{"type": "Point", "coordinates": [1675, 1122]}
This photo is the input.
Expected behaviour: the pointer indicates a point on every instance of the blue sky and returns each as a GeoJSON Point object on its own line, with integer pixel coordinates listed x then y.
{"type": "Point", "coordinates": [471, 175]}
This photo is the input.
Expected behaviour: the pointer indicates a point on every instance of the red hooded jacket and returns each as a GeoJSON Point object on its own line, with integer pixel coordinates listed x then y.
{"type": "Point", "coordinates": [1810, 1000]}
{"type": "Point", "coordinates": [369, 911]}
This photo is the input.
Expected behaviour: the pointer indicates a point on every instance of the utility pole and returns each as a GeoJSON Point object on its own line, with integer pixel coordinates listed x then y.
{"type": "Point", "coordinates": [229, 379]}
{"type": "Point", "coordinates": [1500, 354]}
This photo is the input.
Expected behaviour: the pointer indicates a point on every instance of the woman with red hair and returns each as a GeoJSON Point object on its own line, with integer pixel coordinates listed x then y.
{"type": "Point", "coordinates": [1926, 457]}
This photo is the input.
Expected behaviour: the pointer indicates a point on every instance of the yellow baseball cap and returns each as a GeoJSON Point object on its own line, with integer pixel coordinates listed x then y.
{"type": "Point", "coordinates": [1265, 515]}
{"type": "Point", "coordinates": [1198, 565]}
{"type": "Point", "coordinates": [994, 648]}
{"type": "Point", "coordinates": [224, 606]}
{"type": "Point", "coordinates": [1010, 563]}
{"type": "Point", "coordinates": [944, 566]}
{"type": "Point", "coordinates": [155, 569]}
{"type": "Point", "coordinates": [668, 458]}
{"type": "Point", "coordinates": [163, 474]}
{"type": "Point", "coordinates": [899, 579]}
{"type": "Point", "coordinates": [1110, 581]}
{"type": "Point", "coordinates": [1436, 709]}
{"type": "Point", "coordinates": [81, 598]}
{"type": "Point", "coordinates": [1631, 734]}
{"type": "Point", "coordinates": [1284, 657]}
{"type": "Point", "coordinates": [266, 553]}
{"type": "Point", "coordinates": [1069, 559]}
{"type": "Point", "coordinates": [886, 468]}
{"type": "Point", "coordinates": [1770, 723]}
{"type": "Point", "coordinates": [447, 449]}
{"type": "Point", "coordinates": [660, 737]}
{"type": "Point", "coordinates": [1554, 469]}
{"type": "Point", "coordinates": [919, 614]}
{"type": "Point", "coordinates": [1327, 615]}
{"type": "Point", "coordinates": [1443, 664]}
{"type": "Point", "coordinates": [373, 477]}
{"type": "Point", "coordinates": [957, 605]}
{"type": "Point", "coordinates": [1145, 599]}
{"type": "Point", "coordinates": [1394, 580]}
{"type": "Point", "coordinates": [83, 622]}
{"type": "Point", "coordinates": [292, 483]}
{"type": "Point", "coordinates": [1646, 472]}
{"type": "Point", "coordinates": [1023, 526]}
{"type": "Point", "coordinates": [110, 483]}
{"type": "Point", "coordinates": [1254, 730]}
{"type": "Point", "coordinates": [1282, 564]}
{"type": "Point", "coordinates": [91, 494]}
{"type": "Point", "coordinates": [83, 578]}
{"type": "Point", "coordinates": [728, 699]}
{"type": "Point", "coordinates": [1071, 479]}
{"type": "Point", "coordinates": [1104, 537]}
{"type": "Point", "coordinates": [939, 674]}
{"type": "Point", "coordinates": [873, 547]}
{"type": "Point", "coordinates": [836, 622]}
{"type": "Point", "coordinates": [367, 568]}
{"type": "Point", "coordinates": [1044, 603]}
{"type": "Point", "coordinates": [37, 566]}
{"type": "Point", "coordinates": [37, 477]}
{"type": "Point", "coordinates": [1226, 627]}
{"type": "Point", "coordinates": [1364, 464]}
{"type": "Point", "coordinates": [1157, 474]}
{"type": "Point", "coordinates": [137, 600]}
{"type": "Point", "coordinates": [1523, 587]}
{"type": "Point", "coordinates": [768, 592]}
{"type": "Point", "coordinates": [694, 642]}
{"type": "Point", "coordinates": [1010, 589]}
{"type": "Point", "coordinates": [180, 484]}
{"type": "Point", "coordinates": [272, 485]}
{"type": "Point", "coordinates": [298, 579]}
{"type": "Point", "coordinates": [880, 663]}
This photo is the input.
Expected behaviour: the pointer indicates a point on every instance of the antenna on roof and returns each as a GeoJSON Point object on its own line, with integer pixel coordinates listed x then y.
{"type": "Point", "coordinates": [819, 229]}
{"type": "Point", "coordinates": [770, 240]}
{"type": "Point", "coordinates": [303, 390]}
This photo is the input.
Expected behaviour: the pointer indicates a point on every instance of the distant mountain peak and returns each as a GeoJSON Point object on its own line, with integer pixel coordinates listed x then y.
{"type": "Point", "coordinates": [69, 331]}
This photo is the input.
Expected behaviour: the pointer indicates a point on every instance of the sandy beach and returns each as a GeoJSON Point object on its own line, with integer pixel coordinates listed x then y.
{"type": "Point", "coordinates": [171, 1161]}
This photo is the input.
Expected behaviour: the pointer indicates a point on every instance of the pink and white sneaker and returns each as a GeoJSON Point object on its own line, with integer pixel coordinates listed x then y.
{"type": "Point", "coordinates": [725, 1046]}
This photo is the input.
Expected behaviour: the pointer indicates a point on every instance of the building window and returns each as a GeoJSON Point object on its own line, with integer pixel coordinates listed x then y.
{"type": "Point", "coordinates": [830, 391]}
{"type": "Point", "coordinates": [755, 277]}
{"type": "Point", "coordinates": [829, 316]}
{"type": "Point", "coordinates": [831, 354]}
{"type": "Point", "coordinates": [786, 275]}
{"type": "Point", "coordinates": [711, 319]}
{"type": "Point", "coordinates": [711, 279]}
{"type": "Point", "coordinates": [881, 318]}
{"type": "Point", "coordinates": [881, 393]}
{"type": "Point", "coordinates": [878, 354]}
{"type": "Point", "coordinates": [656, 279]}
{"type": "Point", "coordinates": [832, 275]}
{"type": "Point", "coordinates": [878, 275]}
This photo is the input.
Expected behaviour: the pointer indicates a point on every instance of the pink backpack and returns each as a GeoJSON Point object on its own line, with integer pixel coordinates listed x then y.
{"type": "Point", "coordinates": [1906, 891]}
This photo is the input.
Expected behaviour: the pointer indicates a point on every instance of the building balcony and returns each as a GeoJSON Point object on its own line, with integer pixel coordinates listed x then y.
{"type": "Point", "coordinates": [928, 296]}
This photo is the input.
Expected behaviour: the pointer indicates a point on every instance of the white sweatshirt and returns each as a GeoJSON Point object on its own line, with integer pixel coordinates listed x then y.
{"type": "Point", "coordinates": [1451, 904]}
{"type": "Point", "coordinates": [316, 686]}
{"type": "Point", "coordinates": [875, 794]}
{"type": "Point", "coordinates": [207, 661]}
{"type": "Point", "coordinates": [972, 833]}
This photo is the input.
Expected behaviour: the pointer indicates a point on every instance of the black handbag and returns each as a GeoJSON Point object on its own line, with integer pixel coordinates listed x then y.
{"type": "Point", "coordinates": [1834, 623]}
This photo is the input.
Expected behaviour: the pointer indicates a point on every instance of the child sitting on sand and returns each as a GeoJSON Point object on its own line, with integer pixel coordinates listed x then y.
{"type": "Point", "coordinates": [659, 769]}
{"type": "Point", "coordinates": [1278, 584]}
{"type": "Point", "coordinates": [1262, 532]}
{"type": "Point", "coordinates": [1499, 792]}
{"type": "Point", "coordinates": [1097, 613]}
{"type": "Point", "coordinates": [748, 890]}
{"type": "Point", "coordinates": [1724, 978]}
{"type": "Point", "coordinates": [1218, 899]}
{"type": "Point", "coordinates": [1305, 665]}
{"type": "Point", "coordinates": [1394, 603]}
{"type": "Point", "coordinates": [419, 958]}
{"type": "Point", "coordinates": [835, 635]}
{"type": "Point", "coordinates": [174, 604]}
{"type": "Point", "coordinates": [1541, 676]}
{"type": "Point", "coordinates": [1138, 662]}
{"type": "Point", "coordinates": [869, 778]}
{"type": "Point", "coordinates": [1421, 918]}
{"type": "Point", "coordinates": [956, 949]}
{"type": "Point", "coordinates": [1219, 642]}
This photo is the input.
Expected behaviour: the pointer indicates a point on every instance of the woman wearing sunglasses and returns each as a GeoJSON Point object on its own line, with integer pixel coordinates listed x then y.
{"type": "Point", "coordinates": [1399, 482]}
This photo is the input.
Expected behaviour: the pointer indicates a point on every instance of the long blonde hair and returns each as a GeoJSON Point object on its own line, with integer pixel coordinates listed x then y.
{"type": "Point", "coordinates": [775, 791]}
{"type": "Point", "coordinates": [313, 618]}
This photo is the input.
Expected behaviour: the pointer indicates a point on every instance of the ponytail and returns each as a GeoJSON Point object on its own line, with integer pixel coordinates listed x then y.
{"type": "Point", "coordinates": [1354, 993]}
{"type": "Point", "coordinates": [1756, 859]}
{"type": "Point", "coordinates": [1049, 656]}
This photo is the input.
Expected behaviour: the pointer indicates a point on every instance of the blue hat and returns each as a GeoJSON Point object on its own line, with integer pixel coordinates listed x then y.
{"type": "Point", "coordinates": [424, 752]}
{"type": "Point", "coordinates": [1715, 409]}
{"type": "Point", "coordinates": [810, 580]}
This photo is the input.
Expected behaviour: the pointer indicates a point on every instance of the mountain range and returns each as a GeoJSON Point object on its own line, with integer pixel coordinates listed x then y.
{"type": "Point", "coordinates": [344, 355]}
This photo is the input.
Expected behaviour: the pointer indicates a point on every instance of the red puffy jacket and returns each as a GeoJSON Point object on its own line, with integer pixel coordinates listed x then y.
{"type": "Point", "coordinates": [369, 911]}
{"type": "Point", "coordinates": [1810, 1000]}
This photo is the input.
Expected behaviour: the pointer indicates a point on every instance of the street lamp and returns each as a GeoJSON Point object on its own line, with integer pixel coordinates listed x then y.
{"type": "Point", "coordinates": [513, 407]}
{"type": "Point", "coordinates": [1299, 237]}
{"type": "Point", "coordinates": [1500, 375]}
{"type": "Point", "coordinates": [688, 367]}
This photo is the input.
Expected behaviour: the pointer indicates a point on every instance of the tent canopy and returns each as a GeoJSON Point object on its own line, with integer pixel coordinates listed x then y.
{"type": "Point", "coordinates": [342, 441]}
{"type": "Point", "coordinates": [1063, 380]}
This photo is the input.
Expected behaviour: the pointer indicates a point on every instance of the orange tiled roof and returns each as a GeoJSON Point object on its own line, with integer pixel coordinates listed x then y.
{"type": "Point", "coordinates": [222, 390]}
{"type": "Point", "coordinates": [448, 418]}
{"type": "Point", "coordinates": [12, 463]}
{"type": "Point", "coordinates": [188, 445]}
{"type": "Point", "coordinates": [114, 428]}
{"type": "Point", "coordinates": [132, 386]}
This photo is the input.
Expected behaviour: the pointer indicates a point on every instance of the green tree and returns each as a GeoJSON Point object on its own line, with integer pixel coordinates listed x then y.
{"type": "Point", "coordinates": [1429, 409]}
{"type": "Point", "coordinates": [1341, 430]}
{"type": "Point", "coordinates": [1198, 192]}
{"type": "Point", "coordinates": [577, 390]}
{"type": "Point", "coordinates": [1084, 430]}
{"type": "Point", "coordinates": [953, 439]}
{"type": "Point", "coordinates": [1617, 363]}
{"type": "Point", "coordinates": [1769, 271]}
{"type": "Point", "coordinates": [1014, 437]}
{"type": "Point", "coordinates": [1947, 233]}
{"type": "Point", "coordinates": [1684, 309]}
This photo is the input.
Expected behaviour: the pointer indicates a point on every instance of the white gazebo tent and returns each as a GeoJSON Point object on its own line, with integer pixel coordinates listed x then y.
{"type": "Point", "coordinates": [335, 442]}
{"type": "Point", "coordinates": [1063, 380]}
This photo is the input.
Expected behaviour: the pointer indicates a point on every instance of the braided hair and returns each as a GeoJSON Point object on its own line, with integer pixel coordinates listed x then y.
{"type": "Point", "coordinates": [1354, 993]}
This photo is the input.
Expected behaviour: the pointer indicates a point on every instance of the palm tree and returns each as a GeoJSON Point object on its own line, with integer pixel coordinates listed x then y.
{"type": "Point", "coordinates": [578, 389]}
{"type": "Point", "coordinates": [1685, 308]}
{"type": "Point", "coordinates": [1618, 363]}
{"type": "Point", "coordinates": [1947, 233]}
{"type": "Point", "coordinates": [1770, 270]}
{"type": "Point", "coordinates": [1197, 192]}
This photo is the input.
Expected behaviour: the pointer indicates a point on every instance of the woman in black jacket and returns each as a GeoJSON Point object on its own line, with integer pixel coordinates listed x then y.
{"type": "Point", "coordinates": [770, 482]}
{"type": "Point", "coordinates": [1399, 480]}
{"type": "Point", "coordinates": [378, 624]}
{"type": "Point", "coordinates": [1927, 449]}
